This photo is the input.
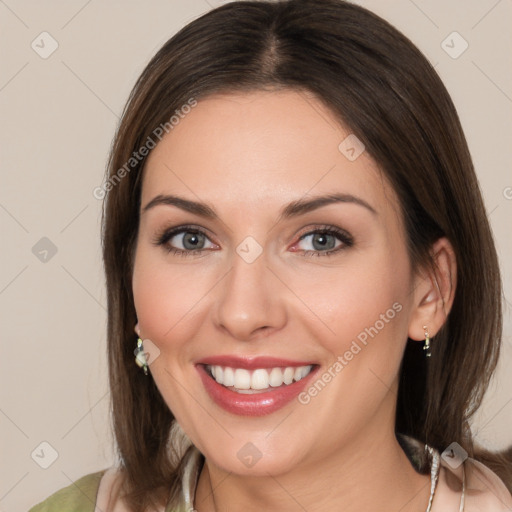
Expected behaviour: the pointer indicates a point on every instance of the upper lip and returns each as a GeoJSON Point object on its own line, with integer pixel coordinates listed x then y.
{"type": "Point", "coordinates": [250, 363]}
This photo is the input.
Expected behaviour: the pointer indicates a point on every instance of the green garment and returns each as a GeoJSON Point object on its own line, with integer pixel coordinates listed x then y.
{"type": "Point", "coordinates": [80, 496]}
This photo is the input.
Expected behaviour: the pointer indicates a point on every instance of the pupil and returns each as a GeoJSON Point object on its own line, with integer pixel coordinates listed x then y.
{"type": "Point", "coordinates": [323, 241]}
{"type": "Point", "coordinates": [191, 240]}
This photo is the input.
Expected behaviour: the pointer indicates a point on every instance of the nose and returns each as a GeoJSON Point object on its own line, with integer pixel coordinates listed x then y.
{"type": "Point", "coordinates": [251, 303]}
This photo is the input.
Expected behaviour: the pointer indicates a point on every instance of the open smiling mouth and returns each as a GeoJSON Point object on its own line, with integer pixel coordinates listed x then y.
{"type": "Point", "coordinates": [245, 381]}
{"type": "Point", "coordinates": [254, 392]}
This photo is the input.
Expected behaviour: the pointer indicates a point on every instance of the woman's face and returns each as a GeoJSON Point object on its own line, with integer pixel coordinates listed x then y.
{"type": "Point", "coordinates": [282, 271]}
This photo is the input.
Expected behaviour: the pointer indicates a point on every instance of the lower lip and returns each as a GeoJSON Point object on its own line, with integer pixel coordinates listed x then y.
{"type": "Point", "coordinates": [255, 404]}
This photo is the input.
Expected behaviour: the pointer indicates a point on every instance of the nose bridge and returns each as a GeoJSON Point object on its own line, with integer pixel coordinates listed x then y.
{"type": "Point", "coordinates": [248, 300]}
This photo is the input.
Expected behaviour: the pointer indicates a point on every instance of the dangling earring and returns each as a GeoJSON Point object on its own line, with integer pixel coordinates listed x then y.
{"type": "Point", "coordinates": [140, 357]}
{"type": "Point", "coordinates": [426, 347]}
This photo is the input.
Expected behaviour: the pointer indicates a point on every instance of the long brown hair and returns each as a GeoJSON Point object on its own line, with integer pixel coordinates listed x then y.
{"type": "Point", "coordinates": [381, 86]}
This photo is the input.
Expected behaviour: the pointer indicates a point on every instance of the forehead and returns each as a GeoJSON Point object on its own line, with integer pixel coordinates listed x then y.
{"type": "Point", "coordinates": [265, 147]}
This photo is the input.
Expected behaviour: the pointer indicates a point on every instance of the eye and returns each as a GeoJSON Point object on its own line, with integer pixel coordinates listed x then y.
{"type": "Point", "coordinates": [323, 241]}
{"type": "Point", "coordinates": [184, 241]}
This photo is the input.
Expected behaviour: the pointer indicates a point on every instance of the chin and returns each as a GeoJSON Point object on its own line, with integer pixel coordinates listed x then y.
{"type": "Point", "coordinates": [259, 457]}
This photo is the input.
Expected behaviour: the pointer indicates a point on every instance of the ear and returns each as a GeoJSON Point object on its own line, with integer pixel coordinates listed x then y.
{"type": "Point", "coordinates": [434, 291]}
{"type": "Point", "coordinates": [137, 329]}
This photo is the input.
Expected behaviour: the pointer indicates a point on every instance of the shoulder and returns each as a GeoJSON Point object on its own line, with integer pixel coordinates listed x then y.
{"type": "Point", "coordinates": [484, 490]}
{"type": "Point", "coordinates": [80, 496]}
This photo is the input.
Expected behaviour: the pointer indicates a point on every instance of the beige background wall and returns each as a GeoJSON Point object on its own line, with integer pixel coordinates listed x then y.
{"type": "Point", "coordinates": [58, 118]}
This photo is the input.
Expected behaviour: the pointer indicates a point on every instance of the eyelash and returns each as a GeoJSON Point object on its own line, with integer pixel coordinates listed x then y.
{"type": "Point", "coordinates": [164, 236]}
{"type": "Point", "coordinates": [343, 236]}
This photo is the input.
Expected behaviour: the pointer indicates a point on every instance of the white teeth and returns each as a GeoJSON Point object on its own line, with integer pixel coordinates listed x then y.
{"type": "Point", "coordinates": [304, 370]}
{"type": "Point", "coordinates": [229, 377]}
{"type": "Point", "coordinates": [259, 379]}
{"type": "Point", "coordinates": [288, 375]}
{"type": "Point", "coordinates": [242, 379]}
{"type": "Point", "coordinates": [245, 381]}
{"type": "Point", "coordinates": [219, 374]}
{"type": "Point", "coordinates": [276, 377]}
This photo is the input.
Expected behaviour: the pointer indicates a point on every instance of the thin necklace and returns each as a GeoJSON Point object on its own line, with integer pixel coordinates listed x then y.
{"type": "Point", "coordinates": [434, 474]}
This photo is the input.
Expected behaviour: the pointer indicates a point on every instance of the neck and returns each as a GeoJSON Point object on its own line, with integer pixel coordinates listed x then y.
{"type": "Point", "coordinates": [369, 473]}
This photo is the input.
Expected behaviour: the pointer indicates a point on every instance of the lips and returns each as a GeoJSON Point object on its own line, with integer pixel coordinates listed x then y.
{"type": "Point", "coordinates": [254, 386]}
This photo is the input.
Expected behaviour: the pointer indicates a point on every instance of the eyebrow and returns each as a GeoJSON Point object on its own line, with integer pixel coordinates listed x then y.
{"type": "Point", "coordinates": [293, 209]}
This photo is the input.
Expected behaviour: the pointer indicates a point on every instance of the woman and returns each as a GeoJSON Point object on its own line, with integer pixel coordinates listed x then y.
{"type": "Point", "coordinates": [299, 260]}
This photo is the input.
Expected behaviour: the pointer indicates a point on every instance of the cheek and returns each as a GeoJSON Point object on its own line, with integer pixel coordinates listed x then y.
{"type": "Point", "coordinates": [165, 300]}
{"type": "Point", "coordinates": [172, 302]}
{"type": "Point", "coordinates": [163, 296]}
{"type": "Point", "coordinates": [365, 308]}
{"type": "Point", "coordinates": [363, 298]}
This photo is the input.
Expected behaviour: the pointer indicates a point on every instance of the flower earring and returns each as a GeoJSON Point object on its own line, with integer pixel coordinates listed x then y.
{"type": "Point", "coordinates": [426, 346]}
{"type": "Point", "coordinates": [140, 356]}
